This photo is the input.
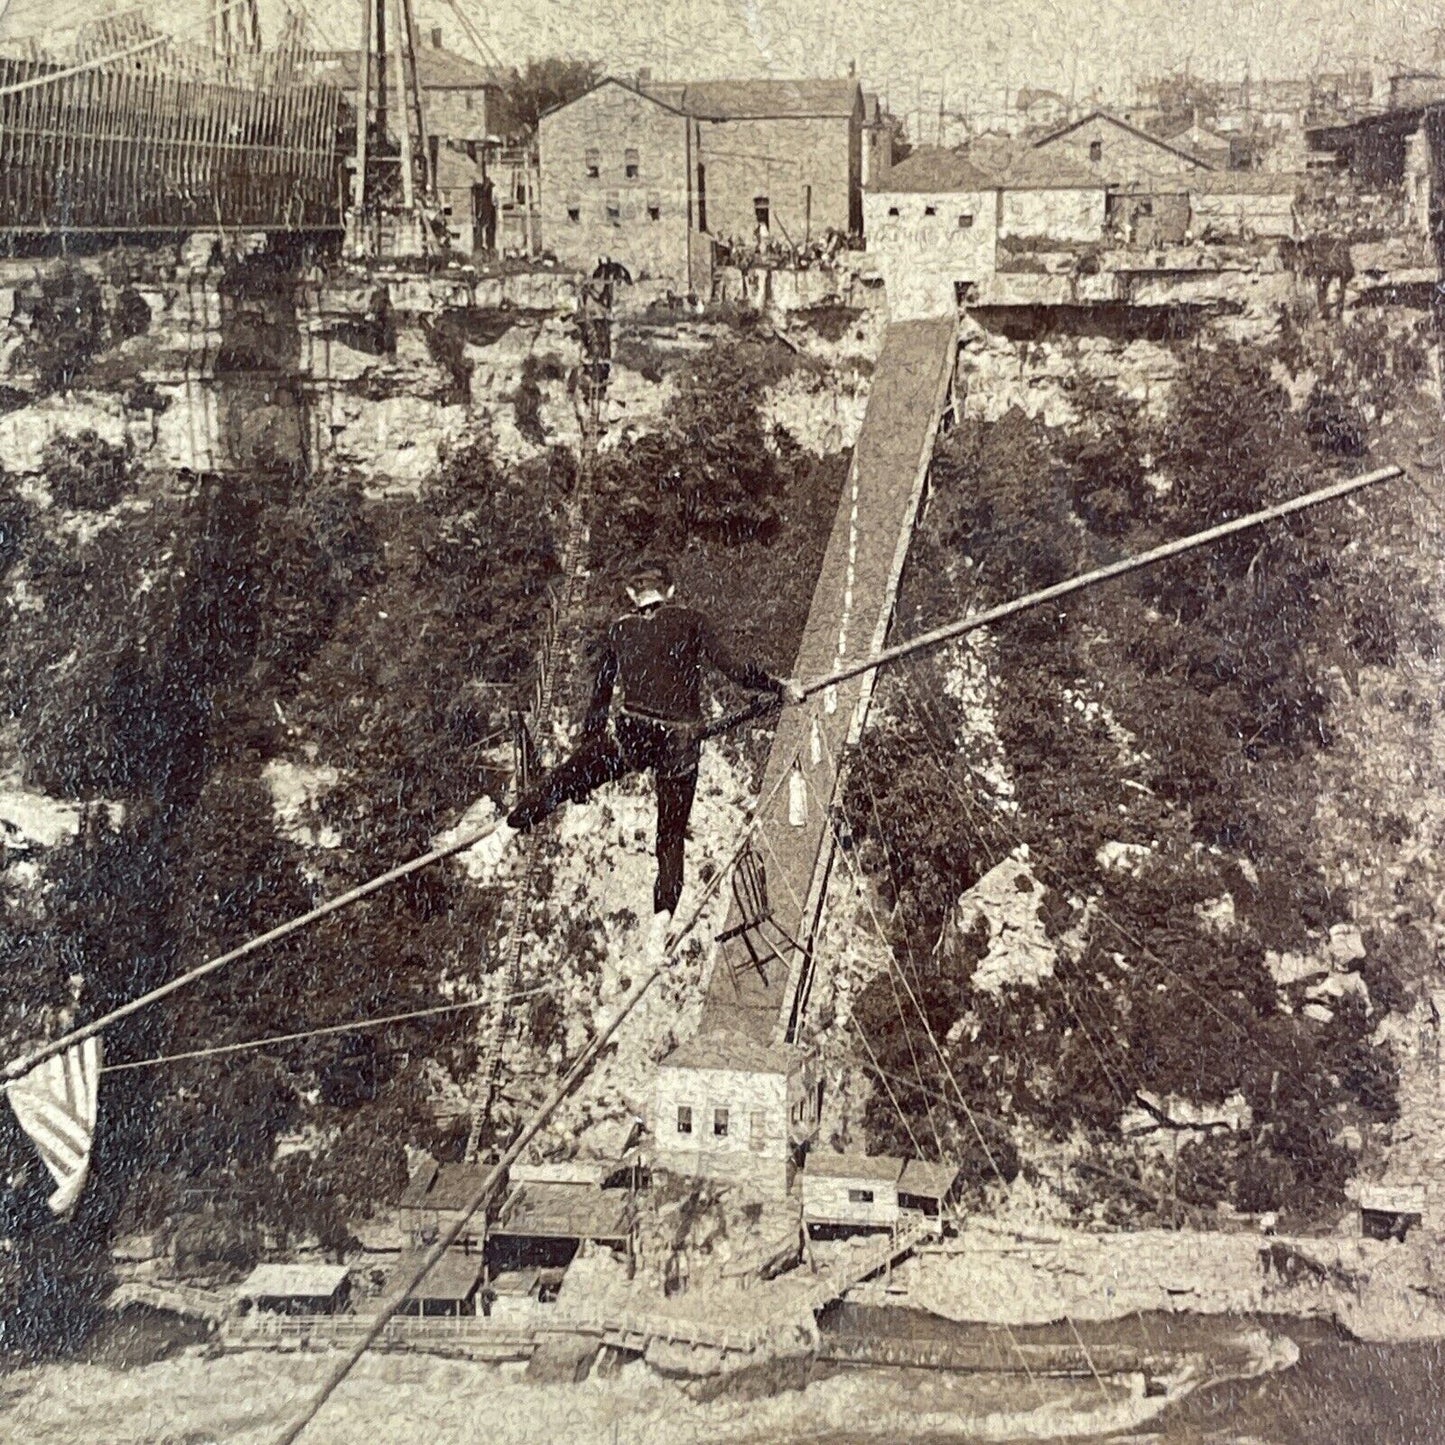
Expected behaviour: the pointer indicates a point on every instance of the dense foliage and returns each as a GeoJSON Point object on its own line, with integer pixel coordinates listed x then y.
{"type": "Point", "coordinates": [1178, 712]}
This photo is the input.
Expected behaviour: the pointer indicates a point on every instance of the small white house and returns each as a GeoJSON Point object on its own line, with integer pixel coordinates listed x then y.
{"type": "Point", "coordinates": [857, 1191]}
{"type": "Point", "coordinates": [726, 1106]}
{"type": "Point", "coordinates": [1045, 198]}
{"type": "Point", "coordinates": [1243, 205]}
{"type": "Point", "coordinates": [932, 227]}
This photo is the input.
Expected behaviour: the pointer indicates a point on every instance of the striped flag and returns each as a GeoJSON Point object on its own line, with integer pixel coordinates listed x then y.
{"type": "Point", "coordinates": [55, 1104]}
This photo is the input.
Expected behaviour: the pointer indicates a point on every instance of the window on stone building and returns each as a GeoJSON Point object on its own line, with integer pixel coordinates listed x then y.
{"type": "Point", "coordinates": [684, 1119]}
{"type": "Point", "coordinates": [930, 210]}
{"type": "Point", "coordinates": [761, 211]}
{"type": "Point", "coordinates": [614, 207]}
{"type": "Point", "coordinates": [471, 101]}
{"type": "Point", "coordinates": [965, 221]}
{"type": "Point", "coordinates": [574, 209]}
{"type": "Point", "coordinates": [594, 164]}
{"type": "Point", "coordinates": [630, 164]}
{"type": "Point", "coordinates": [860, 1196]}
{"type": "Point", "coordinates": [720, 1123]}
{"type": "Point", "coordinates": [1096, 150]}
{"type": "Point", "coordinates": [893, 212]}
{"type": "Point", "coordinates": [654, 208]}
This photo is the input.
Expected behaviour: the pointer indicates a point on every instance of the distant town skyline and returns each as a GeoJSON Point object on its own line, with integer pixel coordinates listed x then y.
{"type": "Point", "coordinates": [971, 55]}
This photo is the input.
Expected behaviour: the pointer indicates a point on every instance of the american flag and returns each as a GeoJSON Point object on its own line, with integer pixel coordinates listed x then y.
{"type": "Point", "coordinates": [55, 1104]}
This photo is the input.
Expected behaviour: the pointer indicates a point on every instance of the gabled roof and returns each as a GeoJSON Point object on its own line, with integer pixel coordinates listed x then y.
{"type": "Point", "coordinates": [760, 99]}
{"type": "Point", "coordinates": [727, 1049]}
{"type": "Point", "coordinates": [829, 1164]}
{"type": "Point", "coordinates": [293, 1281]}
{"type": "Point", "coordinates": [1124, 126]}
{"type": "Point", "coordinates": [935, 169]}
{"type": "Point", "coordinates": [650, 94]}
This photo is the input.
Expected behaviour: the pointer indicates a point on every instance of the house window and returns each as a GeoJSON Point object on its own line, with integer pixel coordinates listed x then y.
{"type": "Point", "coordinates": [574, 210]}
{"type": "Point", "coordinates": [893, 212]}
{"type": "Point", "coordinates": [684, 1119]}
{"type": "Point", "coordinates": [594, 164]}
{"type": "Point", "coordinates": [1096, 150]}
{"type": "Point", "coordinates": [654, 208]}
{"type": "Point", "coordinates": [614, 207]}
{"type": "Point", "coordinates": [630, 164]}
{"type": "Point", "coordinates": [760, 210]}
{"type": "Point", "coordinates": [860, 1196]}
{"type": "Point", "coordinates": [930, 210]}
{"type": "Point", "coordinates": [471, 101]}
{"type": "Point", "coordinates": [720, 1123]}
{"type": "Point", "coordinates": [965, 221]}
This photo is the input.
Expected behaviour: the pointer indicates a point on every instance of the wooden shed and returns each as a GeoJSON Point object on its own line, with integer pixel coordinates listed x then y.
{"type": "Point", "coordinates": [925, 1188]}
{"type": "Point", "coordinates": [450, 1287]}
{"type": "Point", "coordinates": [435, 1198]}
{"type": "Point", "coordinates": [857, 1191]}
{"type": "Point", "coordinates": [295, 1289]}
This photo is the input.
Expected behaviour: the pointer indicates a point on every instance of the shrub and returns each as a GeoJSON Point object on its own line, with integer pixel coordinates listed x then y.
{"type": "Point", "coordinates": [86, 472]}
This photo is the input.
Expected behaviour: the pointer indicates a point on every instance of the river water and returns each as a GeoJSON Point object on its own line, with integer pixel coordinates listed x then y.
{"type": "Point", "coordinates": [144, 1378]}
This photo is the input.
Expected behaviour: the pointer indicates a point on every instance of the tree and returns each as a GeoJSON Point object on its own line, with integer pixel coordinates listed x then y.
{"type": "Point", "coordinates": [543, 85]}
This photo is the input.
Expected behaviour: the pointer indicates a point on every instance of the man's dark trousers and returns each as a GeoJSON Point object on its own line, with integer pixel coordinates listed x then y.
{"type": "Point", "coordinates": [628, 744]}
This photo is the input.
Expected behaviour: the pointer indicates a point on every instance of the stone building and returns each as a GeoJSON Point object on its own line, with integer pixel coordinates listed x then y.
{"type": "Point", "coordinates": [621, 177]}
{"type": "Point", "coordinates": [462, 103]}
{"type": "Point", "coordinates": [1121, 155]}
{"type": "Point", "coordinates": [784, 154]}
{"type": "Point", "coordinates": [728, 1107]}
{"type": "Point", "coordinates": [652, 176]}
{"type": "Point", "coordinates": [932, 230]}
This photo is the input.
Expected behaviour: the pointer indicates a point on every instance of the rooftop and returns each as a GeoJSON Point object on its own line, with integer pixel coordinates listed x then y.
{"type": "Point", "coordinates": [931, 1181]}
{"type": "Point", "coordinates": [301, 1281]}
{"type": "Point", "coordinates": [759, 99]}
{"type": "Point", "coordinates": [1123, 125]}
{"type": "Point", "coordinates": [829, 1164]}
{"type": "Point", "coordinates": [436, 67]}
{"type": "Point", "coordinates": [453, 1277]}
{"type": "Point", "coordinates": [727, 1049]}
{"type": "Point", "coordinates": [564, 1211]}
{"type": "Point", "coordinates": [935, 169]}
{"type": "Point", "coordinates": [444, 1186]}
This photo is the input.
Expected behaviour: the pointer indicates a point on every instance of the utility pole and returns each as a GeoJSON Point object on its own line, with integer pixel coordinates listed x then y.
{"type": "Point", "coordinates": [392, 186]}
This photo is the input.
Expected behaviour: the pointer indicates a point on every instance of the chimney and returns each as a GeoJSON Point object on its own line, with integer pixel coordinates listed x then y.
{"type": "Point", "coordinates": [436, 37]}
{"type": "Point", "coordinates": [644, 77]}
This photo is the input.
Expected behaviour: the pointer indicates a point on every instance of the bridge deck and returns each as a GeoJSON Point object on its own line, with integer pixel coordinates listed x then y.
{"type": "Point", "coordinates": [851, 608]}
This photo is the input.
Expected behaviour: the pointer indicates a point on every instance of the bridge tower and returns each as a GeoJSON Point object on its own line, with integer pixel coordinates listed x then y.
{"type": "Point", "coordinates": [392, 186]}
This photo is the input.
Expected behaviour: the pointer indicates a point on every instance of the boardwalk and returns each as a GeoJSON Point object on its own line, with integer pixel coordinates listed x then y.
{"type": "Point", "coordinates": [852, 606]}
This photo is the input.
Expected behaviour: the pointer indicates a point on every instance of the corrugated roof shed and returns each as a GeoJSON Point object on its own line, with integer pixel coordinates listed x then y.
{"type": "Point", "coordinates": [564, 1211]}
{"type": "Point", "coordinates": [935, 170]}
{"type": "Point", "coordinates": [727, 1049]}
{"type": "Point", "coordinates": [829, 1164]}
{"type": "Point", "coordinates": [453, 1277]}
{"type": "Point", "coordinates": [928, 1181]}
{"type": "Point", "coordinates": [293, 1281]}
{"type": "Point", "coordinates": [759, 99]}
